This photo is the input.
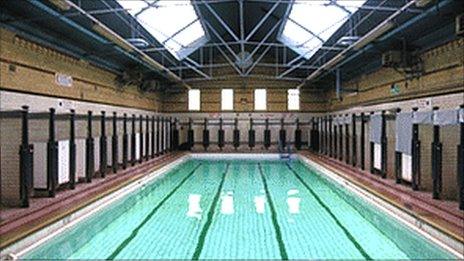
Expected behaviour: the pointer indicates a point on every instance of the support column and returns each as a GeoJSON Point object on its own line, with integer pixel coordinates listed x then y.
{"type": "Point", "coordinates": [125, 143]}
{"type": "Point", "coordinates": [114, 144]}
{"type": "Point", "coordinates": [103, 147]}
{"type": "Point", "coordinates": [384, 154]}
{"type": "Point", "coordinates": [460, 163]}
{"type": "Point", "coordinates": [25, 159]}
{"type": "Point", "coordinates": [89, 150]}
{"type": "Point", "coordinates": [436, 161]}
{"type": "Point", "coordinates": [52, 156]}
{"type": "Point", "coordinates": [297, 140]}
{"type": "Point", "coordinates": [175, 135]}
{"type": "Point", "coordinates": [416, 156]}
{"type": "Point", "coordinates": [147, 137]}
{"type": "Point", "coordinates": [162, 136]}
{"type": "Point", "coordinates": [354, 141]}
{"type": "Point", "coordinates": [347, 140]}
{"type": "Point", "coordinates": [133, 141]}
{"type": "Point", "coordinates": [72, 150]}
{"type": "Point", "coordinates": [141, 138]}
{"type": "Point", "coordinates": [153, 137]}
{"type": "Point", "coordinates": [363, 143]}
{"type": "Point", "coordinates": [158, 136]}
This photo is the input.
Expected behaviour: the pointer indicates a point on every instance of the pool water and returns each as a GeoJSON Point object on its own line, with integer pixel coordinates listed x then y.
{"type": "Point", "coordinates": [240, 210]}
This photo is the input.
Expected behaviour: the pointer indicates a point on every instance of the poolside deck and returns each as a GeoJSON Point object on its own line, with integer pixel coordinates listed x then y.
{"type": "Point", "coordinates": [16, 223]}
{"type": "Point", "coordinates": [442, 214]}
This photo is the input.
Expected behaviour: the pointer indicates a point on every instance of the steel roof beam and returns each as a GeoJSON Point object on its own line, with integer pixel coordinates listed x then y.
{"type": "Point", "coordinates": [221, 21]}
{"type": "Point", "coordinates": [262, 21]}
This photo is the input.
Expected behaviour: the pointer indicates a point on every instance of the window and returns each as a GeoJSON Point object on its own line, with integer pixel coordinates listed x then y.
{"type": "Point", "coordinates": [194, 100]}
{"type": "Point", "coordinates": [311, 23]}
{"type": "Point", "coordinates": [260, 100]}
{"type": "Point", "coordinates": [293, 99]}
{"type": "Point", "coordinates": [227, 99]}
{"type": "Point", "coordinates": [174, 23]}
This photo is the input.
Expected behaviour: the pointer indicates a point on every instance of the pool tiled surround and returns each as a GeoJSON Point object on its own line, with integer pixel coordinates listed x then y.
{"type": "Point", "coordinates": [16, 223]}
{"type": "Point", "coordinates": [440, 214]}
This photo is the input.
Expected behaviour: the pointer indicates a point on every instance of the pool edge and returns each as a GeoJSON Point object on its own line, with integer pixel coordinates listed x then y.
{"type": "Point", "coordinates": [31, 240]}
{"type": "Point", "coordinates": [425, 228]}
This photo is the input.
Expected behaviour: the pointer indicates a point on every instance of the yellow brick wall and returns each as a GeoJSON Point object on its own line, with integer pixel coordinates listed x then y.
{"type": "Point", "coordinates": [30, 68]}
{"type": "Point", "coordinates": [443, 73]}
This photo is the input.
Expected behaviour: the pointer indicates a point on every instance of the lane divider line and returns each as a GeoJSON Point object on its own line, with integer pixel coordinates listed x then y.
{"type": "Point", "coordinates": [209, 220]}
{"type": "Point", "coordinates": [280, 241]}
{"type": "Point", "coordinates": [319, 200]}
{"type": "Point", "coordinates": [149, 216]}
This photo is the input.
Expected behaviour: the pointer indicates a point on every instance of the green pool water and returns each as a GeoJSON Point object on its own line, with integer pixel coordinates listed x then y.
{"type": "Point", "coordinates": [239, 210]}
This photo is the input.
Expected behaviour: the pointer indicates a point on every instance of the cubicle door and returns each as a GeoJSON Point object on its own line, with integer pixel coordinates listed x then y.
{"type": "Point", "coordinates": [63, 161]}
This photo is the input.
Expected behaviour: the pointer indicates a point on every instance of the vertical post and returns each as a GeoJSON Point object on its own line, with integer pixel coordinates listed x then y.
{"type": "Point", "coordinates": [52, 156]}
{"type": "Point", "coordinates": [147, 137]}
{"type": "Point", "coordinates": [25, 154]}
{"type": "Point", "coordinates": [236, 133]}
{"type": "Point", "coordinates": [398, 159]}
{"type": "Point", "coordinates": [103, 147]}
{"type": "Point", "coordinates": [347, 140]}
{"type": "Point", "coordinates": [353, 140]}
{"type": "Point", "coordinates": [133, 141]}
{"type": "Point", "coordinates": [158, 136]}
{"type": "Point", "coordinates": [331, 136]}
{"type": "Point", "coordinates": [282, 135]}
{"type": "Point", "coordinates": [72, 150]}
{"type": "Point", "coordinates": [267, 134]}
{"type": "Point", "coordinates": [89, 150]}
{"type": "Point", "coordinates": [190, 136]}
{"type": "Point", "coordinates": [220, 135]}
{"type": "Point", "coordinates": [298, 135]}
{"type": "Point", "coordinates": [153, 137]}
{"type": "Point", "coordinates": [162, 135]}
{"type": "Point", "coordinates": [436, 160]}
{"type": "Point", "coordinates": [415, 151]}
{"type": "Point", "coordinates": [175, 135]}
{"type": "Point", "coordinates": [340, 139]}
{"type": "Point", "coordinates": [125, 143]}
{"type": "Point", "coordinates": [251, 135]}
{"type": "Point", "coordinates": [335, 139]}
{"type": "Point", "coordinates": [362, 143]}
{"type": "Point", "coordinates": [141, 138]}
{"type": "Point", "coordinates": [460, 163]}
{"type": "Point", "coordinates": [325, 147]}
{"type": "Point", "coordinates": [205, 134]}
{"type": "Point", "coordinates": [384, 146]}
{"type": "Point", "coordinates": [114, 144]}
{"type": "Point", "coordinates": [170, 134]}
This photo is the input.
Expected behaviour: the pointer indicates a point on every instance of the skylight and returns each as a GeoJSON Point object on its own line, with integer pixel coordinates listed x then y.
{"type": "Point", "coordinates": [174, 23]}
{"type": "Point", "coordinates": [311, 23]}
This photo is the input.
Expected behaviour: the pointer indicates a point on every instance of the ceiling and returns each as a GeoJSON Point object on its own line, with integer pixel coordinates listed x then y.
{"type": "Point", "coordinates": [72, 31]}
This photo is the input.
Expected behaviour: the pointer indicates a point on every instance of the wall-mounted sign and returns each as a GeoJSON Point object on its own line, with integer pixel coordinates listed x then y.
{"type": "Point", "coordinates": [63, 80]}
{"type": "Point", "coordinates": [424, 103]}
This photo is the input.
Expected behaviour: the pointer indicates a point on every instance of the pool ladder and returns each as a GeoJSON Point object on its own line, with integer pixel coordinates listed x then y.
{"type": "Point", "coordinates": [282, 153]}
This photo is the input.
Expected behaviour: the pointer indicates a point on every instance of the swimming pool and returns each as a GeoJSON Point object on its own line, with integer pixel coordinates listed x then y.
{"type": "Point", "coordinates": [239, 209]}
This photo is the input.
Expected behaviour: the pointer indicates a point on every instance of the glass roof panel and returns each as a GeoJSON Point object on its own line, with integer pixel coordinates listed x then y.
{"type": "Point", "coordinates": [320, 17]}
{"type": "Point", "coordinates": [173, 23]}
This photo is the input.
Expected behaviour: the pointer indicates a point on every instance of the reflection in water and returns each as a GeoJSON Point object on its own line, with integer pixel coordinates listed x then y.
{"type": "Point", "coordinates": [293, 202]}
{"type": "Point", "coordinates": [194, 209]}
{"type": "Point", "coordinates": [227, 203]}
{"type": "Point", "coordinates": [260, 201]}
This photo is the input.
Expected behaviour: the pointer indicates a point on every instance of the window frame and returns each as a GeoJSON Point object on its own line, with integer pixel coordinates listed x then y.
{"type": "Point", "coordinates": [223, 102]}
{"type": "Point", "coordinates": [255, 100]}
{"type": "Point", "coordinates": [298, 107]}
{"type": "Point", "coordinates": [190, 103]}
